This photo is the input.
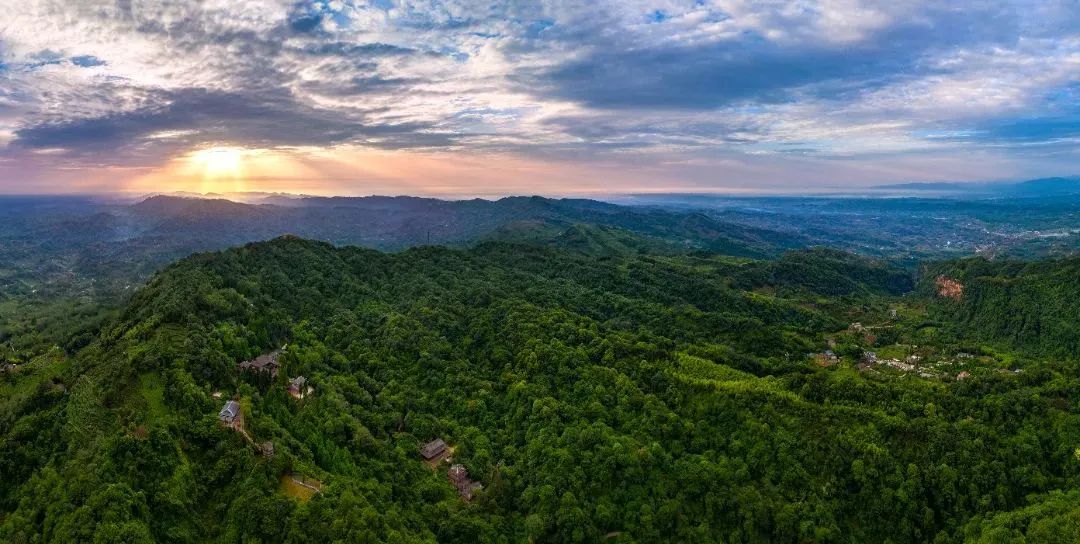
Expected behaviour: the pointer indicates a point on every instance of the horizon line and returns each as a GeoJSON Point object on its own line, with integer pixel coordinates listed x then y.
{"type": "Point", "coordinates": [913, 189]}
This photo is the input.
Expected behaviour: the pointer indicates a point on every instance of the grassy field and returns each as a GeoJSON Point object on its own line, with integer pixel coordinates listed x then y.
{"type": "Point", "coordinates": [294, 486]}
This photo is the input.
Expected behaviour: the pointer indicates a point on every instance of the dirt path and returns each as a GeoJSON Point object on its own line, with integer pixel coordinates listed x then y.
{"type": "Point", "coordinates": [238, 426]}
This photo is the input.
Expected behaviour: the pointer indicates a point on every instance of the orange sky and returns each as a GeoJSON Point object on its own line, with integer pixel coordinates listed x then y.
{"type": "Point", "coordinates": [560, 98]}
{"type": "Point", "coordinates": [351, 170]}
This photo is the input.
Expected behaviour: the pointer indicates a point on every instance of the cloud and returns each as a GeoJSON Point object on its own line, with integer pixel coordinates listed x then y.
{"type": "Point", "coordinates": [139, 82]}
{"type": "Point", "coordinates": [771, 57]}
{"type": "Point", "coordinates": [265, 119]}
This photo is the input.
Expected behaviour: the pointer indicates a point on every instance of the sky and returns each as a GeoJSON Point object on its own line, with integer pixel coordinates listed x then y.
{"type": "Point", "coordinates": [477, 98]}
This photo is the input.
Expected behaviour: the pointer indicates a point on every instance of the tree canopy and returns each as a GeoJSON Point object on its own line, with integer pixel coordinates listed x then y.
{"type": "Point", "coordinates": [610, 396]}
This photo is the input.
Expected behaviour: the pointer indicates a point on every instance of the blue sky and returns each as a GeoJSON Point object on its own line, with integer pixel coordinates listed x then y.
{"type": "Point", "coordinates": [557, 97]}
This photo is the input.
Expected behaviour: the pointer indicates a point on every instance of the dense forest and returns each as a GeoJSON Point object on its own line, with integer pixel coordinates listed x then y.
{"type": "Point", "coordinates": [99, 247]}
{"type": "Point", "coordinates": [1032, 305]}
{"type": "Point", "coordinates": [599, 387]}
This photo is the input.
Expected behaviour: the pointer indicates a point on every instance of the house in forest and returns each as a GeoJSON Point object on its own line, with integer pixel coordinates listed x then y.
{"type": "Point", "coordinates": [230, 413]}
{"type": "Point", "coordinates": [435, 451]}
{"type": "Point", "coordinates": [298, 387]}
{"type": "Point", "coordinates": [267, 362]}
{"type": "Point", "coordinates": [459, 476]}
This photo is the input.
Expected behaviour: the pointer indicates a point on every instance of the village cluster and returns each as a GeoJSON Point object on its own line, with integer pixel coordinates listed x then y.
{"type": "Point", "coordinates": [958, 367]}
{"type": "Point", "coordinates": [435, 453]}
{"type": "Point", "coordinates": [925, 364]}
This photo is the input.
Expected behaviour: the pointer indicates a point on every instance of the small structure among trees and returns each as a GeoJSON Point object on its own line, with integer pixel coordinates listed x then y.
{"type": "Point", "coordinates": [435, 451]}
{"type": "Point", "coordinates": [298, 387]}
{"type": "Point", "coordinates": [230, 413]}
{"type": "Point", "coordinates": [459, 476]}
{"type": "Point", "coordinates": [267, 362]}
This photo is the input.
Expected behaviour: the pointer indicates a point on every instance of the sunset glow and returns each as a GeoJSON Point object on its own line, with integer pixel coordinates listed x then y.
{"type": "Point", "coordinates": [458, 98]}
{"type": "Point", "coordinates": [222, 167]}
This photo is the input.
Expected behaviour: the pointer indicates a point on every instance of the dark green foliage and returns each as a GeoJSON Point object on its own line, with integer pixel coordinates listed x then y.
{"type": "Point", "coordinates": [1050, 519]}
{"type": "Point", "coordinates": [1030, 305]}
{"type": "Point", "coordinates": [826, 272]}
{"type": "Point", "coordinates": [640, 398]}
{"type": "Point", "coordinates": [588, 239]}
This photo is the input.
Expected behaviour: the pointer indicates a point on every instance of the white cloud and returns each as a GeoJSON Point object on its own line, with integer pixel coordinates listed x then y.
{"type": "Point", "coordinates": [469, 74]}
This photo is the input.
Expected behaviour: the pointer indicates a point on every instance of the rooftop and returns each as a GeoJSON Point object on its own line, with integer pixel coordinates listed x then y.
{"type": "Point", "coordinates": [229, 411]}
{"type": "Point", "coordinates": [267, 362]}
{"type": "Point", "coordinates": [433, 449]}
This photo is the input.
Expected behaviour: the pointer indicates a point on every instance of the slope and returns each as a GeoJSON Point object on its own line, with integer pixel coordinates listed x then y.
{"type": "Point", "coordinates": [1030, 305]}
{"type": "Point", "coordinates": [635, 398]}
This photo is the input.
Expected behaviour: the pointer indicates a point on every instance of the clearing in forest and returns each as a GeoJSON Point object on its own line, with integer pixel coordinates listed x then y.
{"type": "Point", "coordinates": [301, 488]}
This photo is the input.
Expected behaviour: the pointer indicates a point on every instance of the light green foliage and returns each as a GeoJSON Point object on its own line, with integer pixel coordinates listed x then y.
{"type": "Point", "coordinates": [649, 398]}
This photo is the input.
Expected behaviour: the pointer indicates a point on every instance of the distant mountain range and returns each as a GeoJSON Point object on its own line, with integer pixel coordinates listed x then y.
{"type": "Point", "coordinates": [392, 223]}
{"type": "Point", "coordinates": [70, 243]}
{"type": "Point", "coordinates": [74, 241]}
{"type": "Point", "coordinates": [1033, 187]}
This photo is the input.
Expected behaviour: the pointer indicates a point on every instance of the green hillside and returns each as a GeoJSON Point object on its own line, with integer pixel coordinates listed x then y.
{"type": "Point", "coordinates": [827, 272]}
{"type": "Point", "coordinates": [619, 397]}
{"type": "Point", "coordinates": [1034, 306]}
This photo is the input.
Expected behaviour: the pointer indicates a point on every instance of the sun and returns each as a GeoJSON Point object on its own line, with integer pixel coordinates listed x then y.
{"type": "Point", "coordinates": [222, 168]}
{"type": "Point", "coordinates": [225, 169]}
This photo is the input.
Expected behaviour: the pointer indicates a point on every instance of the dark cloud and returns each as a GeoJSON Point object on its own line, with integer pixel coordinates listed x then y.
{"type": "Point", "coordinates": [306, 16]}
{"type": "Point", "coordinates": [698, 77]}
{"type": "Point", "coordinates": [87, 61]}
{"type": "Point", "coordinates": [1055, 124]}
{"type": "Point", "coordinates": [1028, 130]}
{"type": "Point", "coordinates": [363, 50]}
{"type": "Point", "coordinates": [752, 68]}
{"type": "Point", "coordinates": [634, 132]}
{"type": "Point", "coordinates": [360, 85]}
{"type": "Point", "coordinates": [265, 119]}
{"type": "Point", "coordinates": [255, 107]}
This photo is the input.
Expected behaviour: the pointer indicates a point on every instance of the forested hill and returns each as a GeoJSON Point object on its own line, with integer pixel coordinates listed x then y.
{"type": "Point", "coordinates": [1033, 305]}
{"type": "Point", "coordinates": [624, 397]}
{"type": "Point", "coordinates": [827, 272]}
{"type": "Point", "coordinates": [394, 223]}
{"type": "Point", "coordinates": [83, 246]}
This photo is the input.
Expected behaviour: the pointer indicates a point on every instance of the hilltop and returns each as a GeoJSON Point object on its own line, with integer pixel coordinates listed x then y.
{"type": "Point", "coordinates": [81, 245]}
{"type": "Point", "coordinates": [638, 397]}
